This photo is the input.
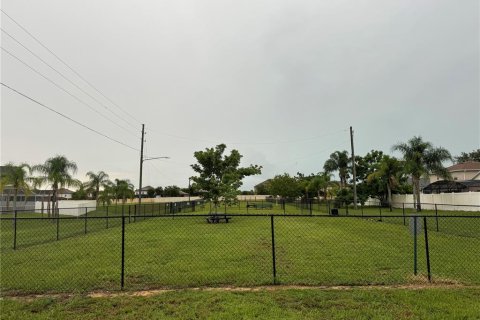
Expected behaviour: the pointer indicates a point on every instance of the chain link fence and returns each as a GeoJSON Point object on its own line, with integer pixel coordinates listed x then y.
{"type": "Point", "coordinates": [173, 246]}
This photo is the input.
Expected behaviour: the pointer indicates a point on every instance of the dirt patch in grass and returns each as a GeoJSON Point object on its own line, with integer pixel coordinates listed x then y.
{"type": "Point", "coordinates": [418, 285]}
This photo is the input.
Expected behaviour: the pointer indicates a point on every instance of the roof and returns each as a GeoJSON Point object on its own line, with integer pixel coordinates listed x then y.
{"type": "Point", "coordinates": [451, 186]}
{"type": "Point", "coordinates": [263, 183]}
{"type": "Point", "coordinates": [146, 188]}
{"type": "Point", "coordinates": [64, 191]}
{"type": "Point", "coordinates": [469, 165]}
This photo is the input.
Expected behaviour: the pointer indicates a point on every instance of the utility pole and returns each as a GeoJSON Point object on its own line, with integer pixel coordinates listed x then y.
{"type": "Point", "coordinates": [141, 170]}
{"type": "Point", "coordinates": [354, 171]}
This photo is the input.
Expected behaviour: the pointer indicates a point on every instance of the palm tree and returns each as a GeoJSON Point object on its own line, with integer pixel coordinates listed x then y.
{"type": "Point", "coordinates": [388, 171]}
{"type": "Point", "coordinates": [107, 194]}
{"type": "Point", "coordinates": [15, 177]}
{"type": "Point", "coordinates": [320, 184]}
{"type": "Point", "coordinates": [123, 190]}
{"type": "Point", "coordinates": [338, 161]}
{"type": "Point", "coordinates": [58, 171]}
{"type": "Point", "coordinates": [96, 181]}
{"type": "Point", "coordinates": [421, 158]}
{"type": "Point", "coordinates": [37, 182]}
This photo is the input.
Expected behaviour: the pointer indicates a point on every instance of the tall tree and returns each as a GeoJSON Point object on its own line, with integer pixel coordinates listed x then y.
{"type": "Point", "coordinates": [338, 161]}
{"type": "Point", "coordinates": [82, 192]}
{"type": "Point", "coordinates": [285, 186]}
{"type": "Point", "coordinates": [58, 171]}
{"type": "Point", "coordinates": [16, 178]}
{"type": "Point", "coordinates": [107, 194]}
{"type": "Point", "coordinates": [219, 175]}
{"type": "Point", "coordinates": [320, 183]}
{"type": "Point", "coordinates": [123, 190]}
{"type": "Point", "coordinates": [471, 156]}
{"type": "Point", "coordinates": [96, 181]}
{"type": "Point", "coordinates": [388, 171]}
{"type": "Point", "coordinates": [421, 158]}
{"type": "Point", "coordinates": [172, 191]}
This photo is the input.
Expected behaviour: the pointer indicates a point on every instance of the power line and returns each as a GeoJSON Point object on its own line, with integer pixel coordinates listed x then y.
{"type": "Point", "coordinates": [254, 143]}
{"type": "Point", "coordinates": [64, 77]}
{"type": "Point", "coordinates": [65, 90]}
{"type": "Point", "coordinates": [68, 66]}
{"type": "Point", "coordinates": [67, 117]}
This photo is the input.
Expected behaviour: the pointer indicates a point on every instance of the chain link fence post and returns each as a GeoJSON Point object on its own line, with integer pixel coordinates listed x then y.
{"type": "Point", "coordinates": [86, 214]}
{"type": "Point", "coordinates": [274, 266]}
{"type": "Point", "coordinates": [58, 228]}
{"type": "Point", "coordinates": [122, 272]}
{"type": "Point", "coordinates": [415, 245]}
{"type": "Point", "coordinates": [427, 252]}
{"type": "Point", "coordinates": [15, 230]}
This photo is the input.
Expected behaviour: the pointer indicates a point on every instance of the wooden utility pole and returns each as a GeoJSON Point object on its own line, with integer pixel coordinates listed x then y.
{"type": "Point", "coordinates": [141, 170]}
{"type": "Point", "coordinates": [354, 171]}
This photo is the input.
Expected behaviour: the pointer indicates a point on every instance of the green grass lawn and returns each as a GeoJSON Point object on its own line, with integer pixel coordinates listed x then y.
{"type": "Point", "coordinates": [179, 252]}
{"type": "Point", "coordinates": [280, 304]}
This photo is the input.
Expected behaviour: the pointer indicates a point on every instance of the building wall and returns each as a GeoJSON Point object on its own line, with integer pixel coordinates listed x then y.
{"type": "Point", "coordinates": [459, 175]}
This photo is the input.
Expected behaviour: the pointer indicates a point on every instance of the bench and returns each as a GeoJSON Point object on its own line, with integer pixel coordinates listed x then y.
{"type": "Point", "coordinates": [216, 218]}
{"type": "Point", "coordinates": [263, 205]}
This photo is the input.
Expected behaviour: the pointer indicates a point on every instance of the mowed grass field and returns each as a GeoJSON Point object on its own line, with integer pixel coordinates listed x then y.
{"type": "Point", "coordinates": [181, 252]}
{"type": "Point", "coordinates": [435, 303]}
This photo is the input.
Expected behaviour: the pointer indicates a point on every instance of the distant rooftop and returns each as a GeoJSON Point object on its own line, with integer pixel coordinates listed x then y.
{"type": "Point", "coordinates": [469, 165]}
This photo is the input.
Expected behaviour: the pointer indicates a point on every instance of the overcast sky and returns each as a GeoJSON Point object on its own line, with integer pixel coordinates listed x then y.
{"type": "Point", "coordinates": [281, 81]}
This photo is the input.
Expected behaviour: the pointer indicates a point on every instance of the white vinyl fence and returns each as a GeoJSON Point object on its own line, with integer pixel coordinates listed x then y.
{"type": "Point", "coordinates": [70, 207]}
{"type": "Point", "coordinates": [464, 201]}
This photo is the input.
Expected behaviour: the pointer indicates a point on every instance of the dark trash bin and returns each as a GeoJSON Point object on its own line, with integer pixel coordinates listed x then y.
{"type": "Point", "coordinates": [334, 212]}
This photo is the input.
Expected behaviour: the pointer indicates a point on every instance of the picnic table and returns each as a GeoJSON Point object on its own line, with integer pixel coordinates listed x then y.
{"type": "Point", "coordinates": [262, 205]}
{"type": "Point", "coordinates": [216, 218]}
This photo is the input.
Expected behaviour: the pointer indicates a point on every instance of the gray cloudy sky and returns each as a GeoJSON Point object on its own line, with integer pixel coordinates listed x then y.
{"type": "Point", "coordinates": [281, 81]}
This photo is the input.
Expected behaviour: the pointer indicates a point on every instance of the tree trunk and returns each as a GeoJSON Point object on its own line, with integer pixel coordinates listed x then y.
{"type": "Point", "coordinates": [8, 200]}
{"type": "Point", "coordinates": [54, 202]}
{"type": "Point", "coordinates": [389, 191]}
{"type": "Point", "coordinates": [15, 194]}
{"type": "Point", "coordinates": [416, 181]}
{"type": "Point", "coordinates": [49, 208]}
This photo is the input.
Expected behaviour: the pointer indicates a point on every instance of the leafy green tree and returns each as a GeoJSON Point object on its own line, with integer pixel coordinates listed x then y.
{"type": "Point", "coordinates": [159, 191]}
{"type": "Point", "coordinates": [421, 158]}
{"type": "Point", "coordinates": [58, 171]}
{"type": "Point", "coordinates": [367, 164]}
{"type": "Point", "coordinates": [219, 175]}
{"type": "Point", "coordinates": [82, 192]}
{"type": "Point", "coordinates": [344, 197]}
{"type": "Point", "coordinates": [388, 172]}
{"type": "Point", "coordinates": [285, 186]}
{"type": "Point", "coordinates": [96, 181]}
{"type": "Point", "coordinates": [320, 184]}
{"type": "Point", "coordinates": [151, 193]}
{"type": "Point", "coordinates": [172, 191]}
{"type": "Point", "coordinates": [472, 156]}
{"type": "Point", "coordinates": [16, 178]}
{"type": "Point", "coordinates": [338, 161]}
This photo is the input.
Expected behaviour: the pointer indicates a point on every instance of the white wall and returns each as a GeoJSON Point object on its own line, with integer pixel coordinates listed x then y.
{"type": "Point", "coordinates": [444, 201]}
{"type": "Point", "coordinates": [160, 200]}
{"type": "Point", "coordinates": [70, 207]}
{"type": "Point", "coordinates": [252, 197]}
